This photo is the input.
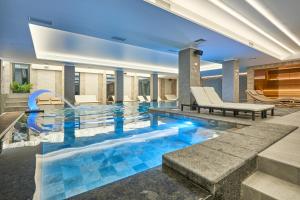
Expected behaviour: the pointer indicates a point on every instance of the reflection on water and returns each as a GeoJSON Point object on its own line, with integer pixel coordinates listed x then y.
{"type": "Point", "coordinates": [91, 146]}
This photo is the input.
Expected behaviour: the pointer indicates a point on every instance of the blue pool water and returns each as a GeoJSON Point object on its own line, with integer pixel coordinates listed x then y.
{"type": "Point", "coordinates": [92, 146]}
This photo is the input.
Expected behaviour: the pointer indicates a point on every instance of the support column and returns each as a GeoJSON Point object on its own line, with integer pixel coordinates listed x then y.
{"type": "Point", "coordinates": [250, 83]}
{"type": "Point", "coordinates": [135, 87]}
{"type": "Point", "coordinates": [154, 87]}
{"type": "Point", "coordinates": [188, 75]}
{"type": "Point", "coordinates": [69, 86]}
{"type": "Point", "coordinates": [104, 89]}
{"type": "Point", "coordinates": [0, 77]}
{"type": "Point", "coordinates": [1, 97]}
{"type": "Point", "coordinates": [119, 86]}
{"type": "Point", "coordinates": [230, 81]}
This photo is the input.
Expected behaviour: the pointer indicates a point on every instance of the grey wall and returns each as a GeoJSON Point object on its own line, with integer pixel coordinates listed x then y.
{"type": "Point", "coordinates": [214, 82]}
{"type": "Point", "coordinates": [217, 84]}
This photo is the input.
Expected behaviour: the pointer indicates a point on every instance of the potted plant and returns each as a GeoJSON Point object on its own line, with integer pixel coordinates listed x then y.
{"type": "Point", "coordinates": [20, 88]}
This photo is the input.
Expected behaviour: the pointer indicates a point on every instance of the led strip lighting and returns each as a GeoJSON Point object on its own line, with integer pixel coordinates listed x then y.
{"type": "Point", "coordinates": [267, 14]}
{"type": "Point", "coordinates": [238, 16]}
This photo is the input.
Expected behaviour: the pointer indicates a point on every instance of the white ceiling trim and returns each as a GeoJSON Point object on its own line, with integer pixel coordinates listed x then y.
{"type": "Point", "coordinates": [213, 19]}
{"type": "Point", "coordinates": [268, 15]}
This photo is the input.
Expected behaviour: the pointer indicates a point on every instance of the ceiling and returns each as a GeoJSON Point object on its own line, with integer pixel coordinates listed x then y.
{"type": "Point", "coordinates": [144, 25]}
{"type": "Point", "coordinates": [266, 25]}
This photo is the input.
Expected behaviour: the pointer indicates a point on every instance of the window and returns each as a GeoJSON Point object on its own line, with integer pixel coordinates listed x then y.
{"type": "Point", "coordinates": [77, 83]}
{"type": "Point", "coordinates": [21, 73]}
{"type": "Point", "coordinates": [144, 86]}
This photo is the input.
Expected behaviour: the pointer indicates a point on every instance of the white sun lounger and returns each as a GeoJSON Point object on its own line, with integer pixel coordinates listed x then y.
{"type": "Point", "coordinates": [209, 99]}
{"type": "Point", "coordinates": [171, 97]}
{"type": "Point", "coordinates": [141, 99]}
{"type": "Point", "coordinates": [149, 98]}
{"type": "Point", "coordinates": [127, 99]}
{"type": "Point", "coordinates": [85, 99]}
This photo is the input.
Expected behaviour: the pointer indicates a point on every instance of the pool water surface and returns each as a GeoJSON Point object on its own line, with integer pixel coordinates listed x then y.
{"type": "Point", "coordinates": [91, 146]}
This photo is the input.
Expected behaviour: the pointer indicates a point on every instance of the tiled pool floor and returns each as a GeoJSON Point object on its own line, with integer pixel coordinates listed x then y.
{"type": "Point", "coordinates": [155, 184]}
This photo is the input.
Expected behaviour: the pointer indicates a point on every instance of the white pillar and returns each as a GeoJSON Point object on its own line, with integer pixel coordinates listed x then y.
{"type": "Point", "coordinates": [230, 81]}
{"type": "Point", "coordinates": [188, 74]}
{"type": "Point", "coordinates": [119, 86]}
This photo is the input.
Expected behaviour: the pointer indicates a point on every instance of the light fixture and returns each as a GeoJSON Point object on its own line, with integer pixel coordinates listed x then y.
{"type": "Point", "coordinates": [238, 16]}
{"type": "Point", "coordinates": [267, 14]}
{"type": "Point", "coordinates": [119, 39]}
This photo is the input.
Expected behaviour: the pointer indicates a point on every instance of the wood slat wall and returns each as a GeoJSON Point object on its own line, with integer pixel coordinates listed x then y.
{"type": "Point", "coordinates": [279, 81]}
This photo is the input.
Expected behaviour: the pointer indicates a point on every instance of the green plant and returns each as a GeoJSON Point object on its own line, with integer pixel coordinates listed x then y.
{"type": "Point", "coordinates": [20, 88]}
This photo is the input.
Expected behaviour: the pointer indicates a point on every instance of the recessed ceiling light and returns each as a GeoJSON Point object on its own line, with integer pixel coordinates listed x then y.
{"type": "Point", "coordinates": [120, 39]}
{"type": "Point", "coordinates": [267, 14]}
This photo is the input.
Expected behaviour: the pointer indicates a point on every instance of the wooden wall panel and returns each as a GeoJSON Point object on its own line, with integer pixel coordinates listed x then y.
{"type": "Point", "coordinates": [279, 81]}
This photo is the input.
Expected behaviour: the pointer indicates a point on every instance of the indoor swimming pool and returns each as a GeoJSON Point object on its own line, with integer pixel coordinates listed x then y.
{"type": "Point", "coordinates": [92, 146]}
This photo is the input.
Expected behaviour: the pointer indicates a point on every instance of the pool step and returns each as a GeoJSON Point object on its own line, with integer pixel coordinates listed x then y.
{"type": "Point", "coordinates": [221, 164]}
{"type": "Point", "coordinates": [261, 186]}
{"type": "Point", "coordinates": [16, 102]}
{"type": "Point", "coordinates": [15, 108]}
{"type": "Point", "coordinates": [282, 159]}
{"type": "Point", "coordinates": [278, 175]}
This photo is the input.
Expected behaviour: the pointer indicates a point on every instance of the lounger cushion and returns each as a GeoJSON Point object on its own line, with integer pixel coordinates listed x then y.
{"type": "Point", "coordinates": [259, 92]}
{"type": "Point", "coordinates": [85, 99]}
{"type": "Point", "coordinates": [200, 96]}
{"type": "Point", "coordinates": [141, 98]}
{"type": "Point", "coordinates": [44, 97]}
{"type": "Point", "coordinates": [171, 97]}
{"type": "Point", "coordinates": [202, 99]}
{"type": "Point", "coordinates": [213, 96]}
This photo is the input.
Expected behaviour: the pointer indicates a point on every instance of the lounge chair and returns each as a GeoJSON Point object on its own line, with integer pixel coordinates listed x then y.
{"type": "Point", "coordinates": [149, 98]}
{"type": "Point", "coordinates": [85, 99]}
{"type": "Point", "coordinates": [171, 97]}
{"type": "Point", "coordinates": [259, 96]}
{"type": "Point", "coordinates": [141, 99]}
{"type": "Point", "coordinates": [56, 101]}
{"type": "Point", "coordinates": [207, 98]}
{"type": "Point", "coordinates": [127, 99]}
{"type": "Point", "coordinates": [44, 99]}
